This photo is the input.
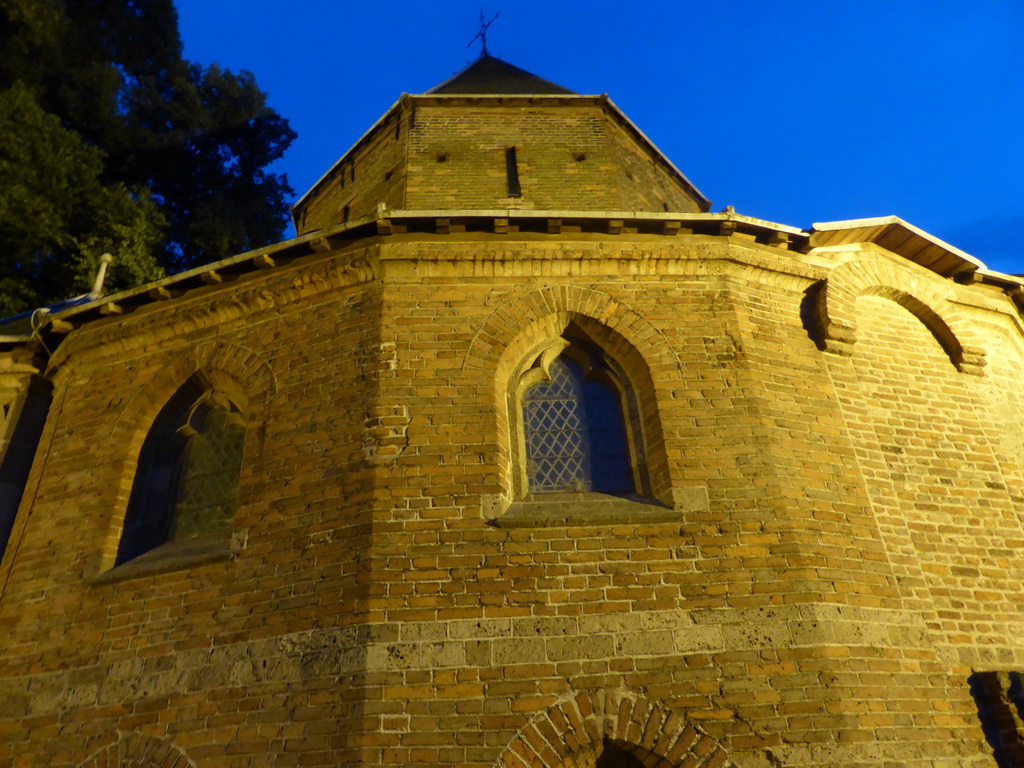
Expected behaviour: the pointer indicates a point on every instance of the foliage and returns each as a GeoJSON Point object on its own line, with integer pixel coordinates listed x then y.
{"type": "Point", "coordinates": [110, 141]}
{"type": "Point", "coordinates": [56, 214]}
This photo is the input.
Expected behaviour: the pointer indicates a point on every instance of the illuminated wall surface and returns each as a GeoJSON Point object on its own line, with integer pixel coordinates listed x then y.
{"type": "Point", "coordinates": [521, 458]}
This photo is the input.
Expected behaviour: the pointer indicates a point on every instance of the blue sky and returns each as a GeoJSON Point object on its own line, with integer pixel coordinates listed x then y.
{"type": "Point", "coordinates": [794, 111]}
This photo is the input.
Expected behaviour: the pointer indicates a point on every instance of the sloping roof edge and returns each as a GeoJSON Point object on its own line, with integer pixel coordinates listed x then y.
{"type": "Point", "coordinates": [346, 153]}
{"type": "Point", "coordinates": [900, 237]}
{"type": "Point", "coordinates": [705, 204]}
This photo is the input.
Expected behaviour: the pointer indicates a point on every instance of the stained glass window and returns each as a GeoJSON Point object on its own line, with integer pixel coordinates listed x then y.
{"type": "Point", "coordinates": [575, 433]}
{"type": "Point", "coordinates": [186, 484]}
{"type": "Point", "coordinates": [207, 486]}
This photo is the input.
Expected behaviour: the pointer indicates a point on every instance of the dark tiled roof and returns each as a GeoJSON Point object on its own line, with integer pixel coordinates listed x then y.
{"type": "Point", "coordinates": [488, 75]}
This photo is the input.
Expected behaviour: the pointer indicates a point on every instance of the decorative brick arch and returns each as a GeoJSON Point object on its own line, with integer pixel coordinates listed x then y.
{"type": "Point", "coordinates": [137, 750]}
{"type": "Point", "coordinates": [243, 372]}
{"type": "Point", "coordinates": [251, 370]}
{"type": "Point", "coordinates": [928, 300]}
{"type": "Point", "coordinates": [532, 319]}
{"type": "Point", "coordinates": [570, 735]}
{"type": "Point", "coordinates": [505, 323]}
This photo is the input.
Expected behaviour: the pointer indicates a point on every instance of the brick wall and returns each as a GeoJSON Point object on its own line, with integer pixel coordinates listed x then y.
{"type": "Point", "coordinates": [174, 656]}
{"type": "Point", "coordinates": [843, 560]}
{"type": "Point", "coordinates": [371, 173]}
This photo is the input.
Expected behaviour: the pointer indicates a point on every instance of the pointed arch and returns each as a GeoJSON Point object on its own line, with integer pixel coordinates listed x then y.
{"type": "Point", "coordinates": [186, 479]}
{"type": "Point", "coordinates": [573, 732]}
{"type": "Point", "coordinates": [517, 331]}
{"type": "Point", "coordinates": [245, 372]}
{"type": "Point", "coordinates": [606, 359]}
{"type": "Point", "coordinates": [578, 419]}
{"type": "Point", "coordinates": [236, 382]}
{"type": "Point", "coordinates": [506, 322]}
{"type": "Point", "coordinates": [929, 300]}
{"type": "Point", "coordinates": [138, 750]}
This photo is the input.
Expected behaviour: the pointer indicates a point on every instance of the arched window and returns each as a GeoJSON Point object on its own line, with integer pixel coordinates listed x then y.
{"type": "Point", "coordinates": [186, 484]}
{"type": "Point", "coordinates": [613, 757]}
{"type": "Point", "coordinates": [16, 460]}
{"type": "Point", "coordinates": [580, 424]}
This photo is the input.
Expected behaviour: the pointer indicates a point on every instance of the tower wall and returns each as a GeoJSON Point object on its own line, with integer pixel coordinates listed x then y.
{"type": "Point", "coordinates": [370, 174]}
{"type": "Point", "coordinates": [449, 153]}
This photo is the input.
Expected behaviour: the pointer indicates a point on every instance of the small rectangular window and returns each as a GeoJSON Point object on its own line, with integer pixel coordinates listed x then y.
{"type": "Point", "coordinates": [512, 173]}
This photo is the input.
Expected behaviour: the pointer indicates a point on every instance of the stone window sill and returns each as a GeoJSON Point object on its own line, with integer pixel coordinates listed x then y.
{"type": "Point", "coordinates": [548, 510]}
{"type": "Point", "coordinates": [173, 556]}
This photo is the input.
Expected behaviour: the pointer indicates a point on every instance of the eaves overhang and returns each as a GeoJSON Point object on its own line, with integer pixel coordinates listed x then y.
{"type": "Point", "coordinates": [385, 222]}
{"type": "Point", "coordinates": [904, 239]}
{"type": "Point", "coordinates": [901, 238]}
{"type": "Point", "coordinates": [891, 233]}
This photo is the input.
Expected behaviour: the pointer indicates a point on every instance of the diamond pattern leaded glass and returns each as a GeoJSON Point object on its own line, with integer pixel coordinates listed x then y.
{"type": "Point", "coordinates": [574, 432]}
{"type": "Point", "coordinates": [207, 485]}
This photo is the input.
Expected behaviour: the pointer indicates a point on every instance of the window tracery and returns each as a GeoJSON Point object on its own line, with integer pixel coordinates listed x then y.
{"type": "Point", "coordinates": [580, 424]}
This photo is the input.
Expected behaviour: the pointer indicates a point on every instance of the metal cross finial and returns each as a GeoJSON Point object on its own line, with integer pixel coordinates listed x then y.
{"type": "Point", "coordinates": [482, 34]}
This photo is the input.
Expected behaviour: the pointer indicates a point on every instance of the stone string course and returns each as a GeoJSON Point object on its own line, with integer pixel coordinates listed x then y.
{"type": "Point", "coordinates": [456, 644]}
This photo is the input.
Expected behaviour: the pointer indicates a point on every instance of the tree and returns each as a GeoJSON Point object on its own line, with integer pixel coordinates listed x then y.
{"type": "Point", "coordinates": [110, 141]}
{"type": "Point", "coordinates": [56, 214]}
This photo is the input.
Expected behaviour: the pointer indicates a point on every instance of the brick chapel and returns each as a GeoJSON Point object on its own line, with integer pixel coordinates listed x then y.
{"type": "Point", "coordinates": [518, 456]}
